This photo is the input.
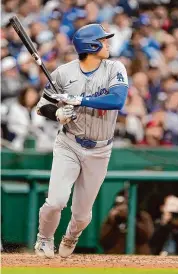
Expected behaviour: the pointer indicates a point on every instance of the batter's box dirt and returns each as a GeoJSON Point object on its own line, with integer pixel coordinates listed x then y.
{"type": "Point", "coordinates": [86, 261]}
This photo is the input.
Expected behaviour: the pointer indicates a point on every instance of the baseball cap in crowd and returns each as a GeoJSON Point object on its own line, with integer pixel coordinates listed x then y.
{"type": "Point", "coordinates": [50, 55]}
{"type": "Point", "coordinates": [81, 14]}
{"type": "Point", "coordinates": [4, 43]}
{"type": "Point", "coordinates": [151, 124]}
{"type": "Point", "coordinates": [23, 58]}
{"type": "Point", "coordinates": [5, 19]}
{"type": "Point", "coordinates": [50, 6]}
{"type": "Point", "coordinates": [8, 63]}
{"type": "Point", "coordinates": [55, 15]}
{"type": "Point", "coordinates": [118, 10]}
{"type": "Point", "coordinates": [144, 20]}
{"type": "Point", "coordinates": [154, 64]}
{"type": "Point", "coordinates": [44, 36]}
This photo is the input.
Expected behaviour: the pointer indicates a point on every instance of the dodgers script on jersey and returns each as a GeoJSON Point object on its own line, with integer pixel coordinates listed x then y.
{"type": "Point", "coordinates": [94, 124]}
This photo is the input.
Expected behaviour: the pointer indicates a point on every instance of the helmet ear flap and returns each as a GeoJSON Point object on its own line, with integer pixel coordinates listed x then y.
{"type": "Point", "coordinates": [95, 46]}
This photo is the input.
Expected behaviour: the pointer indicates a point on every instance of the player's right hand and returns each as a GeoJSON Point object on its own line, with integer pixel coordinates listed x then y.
{"type": "Point", "coordinates": [64, 114]}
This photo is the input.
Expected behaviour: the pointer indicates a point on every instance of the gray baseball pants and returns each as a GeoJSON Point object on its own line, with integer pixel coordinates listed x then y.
{"type": "Point", "coordinates": [86, 169]}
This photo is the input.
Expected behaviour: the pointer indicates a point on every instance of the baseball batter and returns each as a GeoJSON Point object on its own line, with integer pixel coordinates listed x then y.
{"type": "Point", "coordinates": [94, 89]}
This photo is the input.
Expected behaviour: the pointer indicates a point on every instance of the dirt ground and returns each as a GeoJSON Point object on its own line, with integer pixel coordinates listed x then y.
{"type": "Point", "coordinates": [81, 260]}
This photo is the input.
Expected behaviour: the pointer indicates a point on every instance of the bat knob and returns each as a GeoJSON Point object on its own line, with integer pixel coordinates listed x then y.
{"type": "Point", "coordinates": [74, 116]}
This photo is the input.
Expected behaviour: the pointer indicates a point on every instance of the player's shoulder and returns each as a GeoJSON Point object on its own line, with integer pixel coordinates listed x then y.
{"type": "Point", "coordinates": [113, 64]}
{"type": "Point", "coordinates": [68, 66]}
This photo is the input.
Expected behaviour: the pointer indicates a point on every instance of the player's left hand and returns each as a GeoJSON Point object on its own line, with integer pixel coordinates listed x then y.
{"type": "Point", "coordinates": [73, 100]}
{"type": "Point", "coordinates": [68, 99]}
{"type": "Point", "coordinates": [64, 114]}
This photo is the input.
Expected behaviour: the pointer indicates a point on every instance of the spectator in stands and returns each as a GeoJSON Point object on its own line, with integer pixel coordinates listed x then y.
{"type": "Point", "coordinates": [140, 83]}
{"type": "Point", "coordinates": [175, 35]}
{"type": "Point", "coordinates": [132, 46]}
{"type": "Point", "coordinates": [138, 43]}
{"type": "Point", "coordinates": [54, 21]}
{"type": "Point", "coordinates": [122, 28]}
{"type": "Point", "coordinates": [35, 28]}
{"type": "Point", "coordinates": [162, 13]}
{"type": "Point", "coordinates": [36, 10]}
{"type": "Point", "coordinates": [169, 84]}
{"type": "Point", "coordinates": [139, 64]}
{"type": "Point", "coordinates": [160, 126]}
{"type": "Point", "coordinates": [28, 69]}
{"type": "Point", "coordinates": [114, 228]}
{"type": "Point", "coordinates": [165, 237]}
{"type": "Point", "coordinates": [130, 7]}
{"type": "Point", "coordinates": [170, 57]}
{"type": "Point", "coordinates": [69, 55]}
{"type": "Point", "coordinates": [174, 18]}
{"type": "Point", "coordinates": [104, 11]}
{"type": "Point", "coordinates": [171, 117]}
{"type": "Point", "coordinates": [79, 20]}
{"type": "Point", "coordinates": [9, 7]}
{"type": "Point", "coordinates": [22, 119]}
{"type": "Point", "coordinates": [145, 26]}
{"type": "Point", "coordinates": [158, 33]}
{"type": "Point", "coordinates": [4, 48]}
{"type": "Point", "coordinates": [12, 81]}
{"type": "Point", "coordinates": [25, 12]}
{"type": "Point", "coordinates": [154, 133]}
{"type": "Point", "coordinates": [129, 130]}
{"type": "Point", "coordinates": [55, 25]}
{"type": "Point", "coordinates": [154, 78]}
{"type": "Point", "coordinates": [50, 54]}
{"type": "Point", "coordinates": [130, 125]}
{"type": "Point", "coordinates": [70, 12]}
{"type": "Point", "coordinates": [14, 43]}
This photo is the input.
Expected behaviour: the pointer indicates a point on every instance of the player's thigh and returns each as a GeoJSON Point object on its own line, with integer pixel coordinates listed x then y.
{"type": "Point", "coordinates": [65, 171]}
{"type": "Point", "coordinates": [93, 172]}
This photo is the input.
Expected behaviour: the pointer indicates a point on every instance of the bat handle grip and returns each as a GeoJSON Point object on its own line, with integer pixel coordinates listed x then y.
{"type": "Point", "coordinates": [74, 116]}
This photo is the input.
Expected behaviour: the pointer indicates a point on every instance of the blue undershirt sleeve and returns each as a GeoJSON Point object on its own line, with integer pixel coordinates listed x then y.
{"type": "Point", "coordinates": [114, 100]}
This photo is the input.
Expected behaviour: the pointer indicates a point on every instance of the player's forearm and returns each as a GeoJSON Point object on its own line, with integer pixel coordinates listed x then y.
{"type": "Point", "coordinates": [48, 111]}
{"type": "Point", "coordinates": [47, 108]}
{"type": "Point", "coordinates": [114, 100]}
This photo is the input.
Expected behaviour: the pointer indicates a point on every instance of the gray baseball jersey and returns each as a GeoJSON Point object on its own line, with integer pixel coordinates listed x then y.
{"type": "Point", "coordinates": [94, 124]}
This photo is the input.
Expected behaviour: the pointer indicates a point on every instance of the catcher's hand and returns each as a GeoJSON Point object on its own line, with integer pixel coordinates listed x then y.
{"type": "Point", "coordinates": [64, 114]}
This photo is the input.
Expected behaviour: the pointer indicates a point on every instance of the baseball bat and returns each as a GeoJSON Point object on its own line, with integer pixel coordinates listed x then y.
{"type": "Point", "coordinates": [16, 24]}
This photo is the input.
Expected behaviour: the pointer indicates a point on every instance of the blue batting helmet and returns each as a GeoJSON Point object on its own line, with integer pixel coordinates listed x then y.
{"type": "Point", "coordinates": [86, 39]}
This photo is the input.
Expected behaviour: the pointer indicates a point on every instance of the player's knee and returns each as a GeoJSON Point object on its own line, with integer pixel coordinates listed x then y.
{"type": "Point", "coordinates": [58, 203]}
{"type": "Point", "coordinates": [85, 218]}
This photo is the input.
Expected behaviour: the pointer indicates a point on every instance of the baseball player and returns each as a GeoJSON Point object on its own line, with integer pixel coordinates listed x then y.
{"type": "Point", "coordinates": [95, 89]}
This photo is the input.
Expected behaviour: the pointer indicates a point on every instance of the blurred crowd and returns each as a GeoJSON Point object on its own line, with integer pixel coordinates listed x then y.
{"type": "Point", "coordinates": [146, 41]}
{"type": "Point", "coordinates": [158, 236]}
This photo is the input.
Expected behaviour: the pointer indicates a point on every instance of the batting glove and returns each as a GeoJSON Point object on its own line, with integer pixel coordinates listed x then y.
{"type": "Point", "coordinates": [73, 100]}
{"type": "Point", "coordinates": [64, 114]}
{"type": "Point", "coordinates": [68, 99]}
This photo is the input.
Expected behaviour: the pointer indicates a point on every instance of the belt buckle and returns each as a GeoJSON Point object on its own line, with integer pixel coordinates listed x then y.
{"type": "Point", "coordinates": [88, 143]}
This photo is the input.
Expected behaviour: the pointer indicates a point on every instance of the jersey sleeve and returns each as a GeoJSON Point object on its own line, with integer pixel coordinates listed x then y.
{"type": "Point", "coordinates": [118, 75]}
{"type": "Point", "coordinates": [48, 90]}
